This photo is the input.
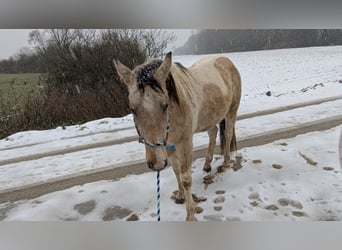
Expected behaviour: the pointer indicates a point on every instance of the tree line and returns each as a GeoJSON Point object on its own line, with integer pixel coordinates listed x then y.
{"type": "Point", "coordinates": [151, 42]}
{"type": "Point", "coordinates": [80, 82]}
{"type": "Point", "coordinates": [210, 41]}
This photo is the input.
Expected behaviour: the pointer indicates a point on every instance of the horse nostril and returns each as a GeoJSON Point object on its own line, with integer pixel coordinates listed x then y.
{"type": "Point", "coordinates": [150, 165]}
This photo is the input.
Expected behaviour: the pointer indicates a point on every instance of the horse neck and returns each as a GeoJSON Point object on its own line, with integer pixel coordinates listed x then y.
{"type": "Point", "coordinates": [181, 112]}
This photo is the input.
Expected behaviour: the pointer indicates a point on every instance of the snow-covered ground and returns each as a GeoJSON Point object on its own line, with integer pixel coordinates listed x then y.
{"type": "Point", "coordinates": [30, 172]}
{"type": "Point", "coordinates": [256, 192]}
{"type": "Point", "coordinates": [292, 76]}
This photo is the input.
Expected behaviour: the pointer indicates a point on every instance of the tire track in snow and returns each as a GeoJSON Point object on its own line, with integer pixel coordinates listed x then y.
{"type": "Point", "coordinates": [114, 172]}
{"type": "Point", "coordinates": [132, 138]}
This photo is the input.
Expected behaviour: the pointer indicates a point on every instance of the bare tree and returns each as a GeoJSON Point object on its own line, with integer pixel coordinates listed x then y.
{"type": "Point", "coordinates": [156, 41]}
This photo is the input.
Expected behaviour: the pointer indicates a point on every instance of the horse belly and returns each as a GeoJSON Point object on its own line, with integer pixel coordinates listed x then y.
{"type": "Point", "coordinates": [214, 107]}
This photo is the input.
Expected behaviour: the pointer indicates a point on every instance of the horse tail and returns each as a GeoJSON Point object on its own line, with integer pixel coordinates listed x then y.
{"type": "Point", "coordinates": [233, 145]}
{"type": "Point", "coordinates": [222, 136]}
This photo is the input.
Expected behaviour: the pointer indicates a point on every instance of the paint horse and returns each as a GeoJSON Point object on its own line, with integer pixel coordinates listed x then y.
{"type": "Point", "coordinates": [170, 103]}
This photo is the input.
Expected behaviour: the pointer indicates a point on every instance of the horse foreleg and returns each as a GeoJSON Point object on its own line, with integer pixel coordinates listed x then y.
{"type": "Point", "coordinates": [189, 202]}
{"type": "Point", "coordinates": [212, 133]}
{"type": "Point", "coordinates": [180, 198]}
{"type": "Point", "coordinates": [186, 178]}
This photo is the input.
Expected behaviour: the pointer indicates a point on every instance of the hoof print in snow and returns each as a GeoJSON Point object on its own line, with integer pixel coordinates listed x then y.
{"type": "Point", "coordinates": [179, 201]}
{"type": "Point", "coordinates": [277, 166]}
{"type": "Point", "coordinates": [116, 212]}
{"type": "Point", "coordinates": [217, 208]}
{"type": "Point", "coordinates": [283, 144]}
{"type": "Point", "coordinates": [237, 166]}
{"type": "Point", "coordinates": [268, 93]}
{"type": "Point", "coordinates": [208, 179]}
{"type": "Point", "coordinates": [213, 217]}
{"type": "Point", "coordinates": [198, 210]}
{"type": "Point", "coordinates": [254, 203]}
{"type": "Point", "coordinates": [85, 207]}
{"type": "Point", "coordinates": [284, 202]}
{"type": "Point", "coordinates": [254, 196]}
{"type": "Point", "coordinates": [256, 161]}
{"type": "Point", "coordinates": [220, 192]}
{"type": "Point", "coordinates": [175, 199]}
{"type": "Point", "coordinates": [271, 207]}
{"type": "Point", "coordinates": [133, 217]}
{"type": "Point", "coordinates": [219, 199]}
{"type": "Point", "coordinates": [328, 168]}
{"type": "Point", "coordinates": [299, 213]}
{"type": "Point", "coordinates": [296, 204]}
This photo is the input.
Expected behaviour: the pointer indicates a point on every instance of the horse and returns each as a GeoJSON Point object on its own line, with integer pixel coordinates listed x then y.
{"type": "Point", "coordinates": [170, 103]}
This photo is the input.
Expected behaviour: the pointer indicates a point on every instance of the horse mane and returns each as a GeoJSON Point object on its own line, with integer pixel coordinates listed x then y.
{"type": "Point", "coordinates": [178, 73]}
{"type": "Point", "coordinates": [182, 76]}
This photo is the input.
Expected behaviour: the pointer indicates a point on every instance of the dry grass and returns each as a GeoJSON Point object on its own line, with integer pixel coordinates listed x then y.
{"type": "Point", "coordinates": [51, 107]}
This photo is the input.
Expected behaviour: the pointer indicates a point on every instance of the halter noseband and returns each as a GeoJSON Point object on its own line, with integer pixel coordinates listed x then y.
{"type": "Point", "coordinates": [156, 144]}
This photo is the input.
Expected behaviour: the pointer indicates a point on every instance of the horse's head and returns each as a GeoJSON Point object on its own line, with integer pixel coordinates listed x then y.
{"type": "Point", "coordinates": [149, 103]}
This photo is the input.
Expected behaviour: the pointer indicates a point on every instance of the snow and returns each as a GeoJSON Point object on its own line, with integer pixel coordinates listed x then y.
{"type": "Point", "coordinates": [30, 172]}
{"type": "Point", "coordinates": [292, 76]}
{"type": "Point", "coordinates": [314, 192]}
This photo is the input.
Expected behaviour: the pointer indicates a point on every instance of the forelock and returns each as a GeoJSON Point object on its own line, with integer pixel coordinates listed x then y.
{"type": "Point", "coordinates": [145, 75]}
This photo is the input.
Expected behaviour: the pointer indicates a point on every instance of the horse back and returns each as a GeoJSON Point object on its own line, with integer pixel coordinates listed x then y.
{"type": "Point", "coordinates": [219, 90]}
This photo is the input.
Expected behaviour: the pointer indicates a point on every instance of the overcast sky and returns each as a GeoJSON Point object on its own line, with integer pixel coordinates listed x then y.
{"type": "Point", "coordinates": [12, 40]}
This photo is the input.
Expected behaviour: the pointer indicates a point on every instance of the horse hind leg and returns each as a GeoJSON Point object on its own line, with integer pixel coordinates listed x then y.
{"type": "Point", "coordinates": [228, 138]}
{"type": "Point", "coordinates": [212, 133]}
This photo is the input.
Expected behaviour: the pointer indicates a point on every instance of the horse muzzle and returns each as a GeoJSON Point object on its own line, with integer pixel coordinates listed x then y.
{"type": "Point", "coordinates": [157, 167]}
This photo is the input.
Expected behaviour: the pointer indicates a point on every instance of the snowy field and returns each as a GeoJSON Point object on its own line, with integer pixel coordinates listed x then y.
{"type": "Point", "coordinates": [275, 183]}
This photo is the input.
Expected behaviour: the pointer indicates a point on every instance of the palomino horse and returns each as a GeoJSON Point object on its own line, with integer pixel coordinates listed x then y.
{"type": "Point", "coordinates": [170, 103]}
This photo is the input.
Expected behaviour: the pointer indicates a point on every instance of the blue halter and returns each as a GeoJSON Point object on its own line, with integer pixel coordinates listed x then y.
{"type": "Point", "coordinates": [156, 144]}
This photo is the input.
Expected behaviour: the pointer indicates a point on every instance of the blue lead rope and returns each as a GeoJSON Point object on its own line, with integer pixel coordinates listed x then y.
{"type": "Point", "coordinates": [158, 196]}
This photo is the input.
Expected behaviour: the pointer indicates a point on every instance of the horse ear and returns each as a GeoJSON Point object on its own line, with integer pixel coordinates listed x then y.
{"type": "Point", "coordinates": [124, 72]}
{"type": "Point", "coordinates": [163, 71]}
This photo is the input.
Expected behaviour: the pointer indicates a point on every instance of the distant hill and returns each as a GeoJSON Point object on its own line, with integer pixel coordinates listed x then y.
{"type": "Point", "coordinates": [211, 41]}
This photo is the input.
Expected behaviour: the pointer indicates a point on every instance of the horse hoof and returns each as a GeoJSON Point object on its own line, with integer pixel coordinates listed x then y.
{"type": "Point", "coordinates": [207, 169]}
{"type": "Point", "coordinates": [237, 166]}
{"type": "Point", "coordinates": [222, 169]}
{"type": "Point", "coordinates": [179, 201]}
{"type": "Point", "coordinates": [191, 218]}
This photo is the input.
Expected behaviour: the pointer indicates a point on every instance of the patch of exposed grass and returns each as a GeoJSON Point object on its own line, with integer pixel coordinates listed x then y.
{"type": "Point", "coordinates": [16, 87]}
{"type": "Point", "coordinates": [48, 107]}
